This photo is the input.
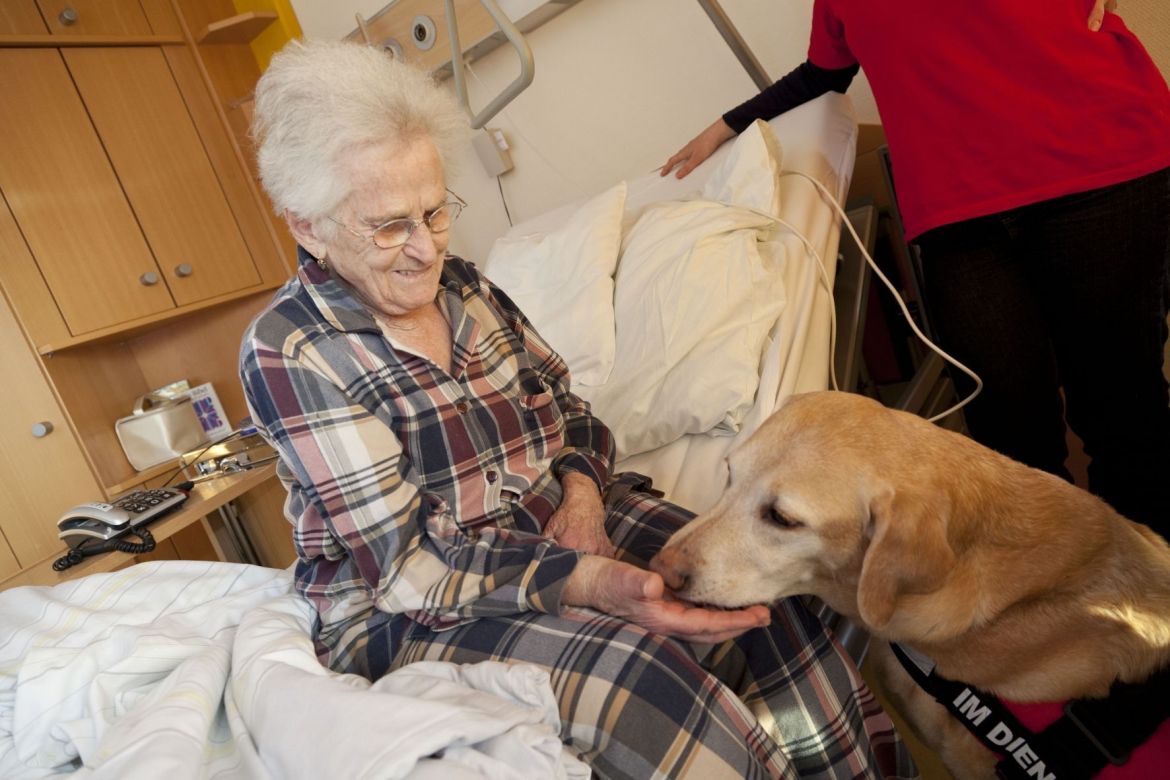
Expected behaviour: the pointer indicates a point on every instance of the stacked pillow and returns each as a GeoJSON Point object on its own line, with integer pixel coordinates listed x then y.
{"type": "Point", "coordinates": [563, 282]}
{"type": "Point", "coordinates": [663, 328]}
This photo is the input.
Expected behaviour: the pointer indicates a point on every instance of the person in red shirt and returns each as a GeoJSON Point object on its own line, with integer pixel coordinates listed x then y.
{"type": "Point", "coordinates": [1031, 156]}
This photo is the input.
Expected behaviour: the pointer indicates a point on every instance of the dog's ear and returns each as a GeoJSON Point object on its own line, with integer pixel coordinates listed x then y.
{"type": "Point", "coordinates": [908, 553]}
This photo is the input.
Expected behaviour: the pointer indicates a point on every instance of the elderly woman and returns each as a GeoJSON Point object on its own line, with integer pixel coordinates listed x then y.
{"type": "Point", "coordinates": [452, 499]}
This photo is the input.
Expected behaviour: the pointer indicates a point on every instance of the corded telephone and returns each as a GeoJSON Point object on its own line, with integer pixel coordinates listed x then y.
{"type": "Point", "coordinates": [97, 527]}
{"type": "Point", "coordinates": [84, 524]}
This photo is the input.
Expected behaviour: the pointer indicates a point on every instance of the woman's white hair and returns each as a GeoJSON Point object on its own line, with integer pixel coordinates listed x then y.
{"type": "Point", "coordinates": [319, 100]}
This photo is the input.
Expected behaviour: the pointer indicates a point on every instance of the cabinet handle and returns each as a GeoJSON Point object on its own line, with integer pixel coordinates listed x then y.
{"type": "Point", "coordinates": [42, 429]}
{"type": "Point", "coordinates": [149, 278]}
{"type": "Point", "coordinates": [184, 269]}
{"type": "Point", "coordinates": [67, 16]}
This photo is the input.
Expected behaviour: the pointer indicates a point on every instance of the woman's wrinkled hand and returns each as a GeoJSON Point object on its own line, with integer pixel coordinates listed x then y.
{"type": "Point", "coordinates": [698, 149]}
{"type": "Point", "coordinates": [579, 522]}
{"type": "Point", "coordinates": [1097, 15]}
{"type": "Point", "coordinates": [641, 597]}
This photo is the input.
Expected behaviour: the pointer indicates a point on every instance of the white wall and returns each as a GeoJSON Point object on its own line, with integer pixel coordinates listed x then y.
{"type": "Point", "coordinates": [619, 86]}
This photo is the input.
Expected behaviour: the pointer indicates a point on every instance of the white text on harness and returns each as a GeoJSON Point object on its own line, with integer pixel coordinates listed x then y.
{"type": "Point", "coordinates": [969, 706]}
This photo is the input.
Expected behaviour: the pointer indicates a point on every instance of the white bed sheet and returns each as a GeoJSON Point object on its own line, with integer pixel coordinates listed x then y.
{"type": "Point", "coordinates": [178, 669]}
{"type": "Point", "coordinates": [818, 139]}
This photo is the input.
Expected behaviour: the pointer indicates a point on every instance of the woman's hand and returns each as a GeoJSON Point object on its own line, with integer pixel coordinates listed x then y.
{"type": "Point", "coordinates": [698, 149]}
{"type": "Point", "coordinates": [640, 597]}
{"type": "Point", "coordinates": [579, 521]}
{"type": "Point", "coordinates": [1097, 15]}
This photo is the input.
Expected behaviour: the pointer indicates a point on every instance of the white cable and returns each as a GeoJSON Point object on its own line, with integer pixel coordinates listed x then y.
{"type": "Point", "coordinates": [824, 274]}
{"type": "Point", "coordinates": [889, 285]}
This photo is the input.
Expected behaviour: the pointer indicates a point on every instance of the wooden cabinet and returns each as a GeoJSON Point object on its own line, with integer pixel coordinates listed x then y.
{"type": "Point", "coordinates": [85, 238]}
{"type": "Point", "coordinates": [44, 470]}
{"type": "Point", "coordinates": [20, 17]}
{"type": "Point", "coordinates": [94, 17]}
{"type": "Point", "coordinates": [146, 129]}
{"type": "Point", "coordinates": [145, 225]}
{"type": "Point", "coordinates": [135, 244]}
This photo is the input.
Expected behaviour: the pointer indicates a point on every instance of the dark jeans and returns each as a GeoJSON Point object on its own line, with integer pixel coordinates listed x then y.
{"type": "Point", "coordinates": [1068, 293]}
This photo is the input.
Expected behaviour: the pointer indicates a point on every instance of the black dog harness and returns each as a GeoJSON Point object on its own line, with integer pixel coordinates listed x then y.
{"type": "Point", "coordinates": [1092, 733]}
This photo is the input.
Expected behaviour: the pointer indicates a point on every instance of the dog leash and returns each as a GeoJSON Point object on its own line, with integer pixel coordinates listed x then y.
{"type": "Point", "coordinates": [1091, 734]}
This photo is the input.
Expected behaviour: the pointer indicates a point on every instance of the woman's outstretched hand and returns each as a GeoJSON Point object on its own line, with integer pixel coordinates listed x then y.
{"type": "Point", "coordinates": [641, 597]}
{"type": "Point", "coordinates": [698, 149]}
{"type": "Point", "coordinates": [1097, 15]}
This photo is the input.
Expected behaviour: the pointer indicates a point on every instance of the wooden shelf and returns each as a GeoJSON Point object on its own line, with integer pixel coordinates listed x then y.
{"type": "Point", "coordinates": [241, 28]}
{"type": "Point", "coordinates": [205, 498]}
{"type": "Point", "coordinates": [125, 330]}
{"type": "Point", "coordinates": [141, 477]}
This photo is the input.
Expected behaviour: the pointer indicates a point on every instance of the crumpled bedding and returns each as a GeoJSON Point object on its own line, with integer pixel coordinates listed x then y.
{"type": "Point", "coordinates": [182, 669]}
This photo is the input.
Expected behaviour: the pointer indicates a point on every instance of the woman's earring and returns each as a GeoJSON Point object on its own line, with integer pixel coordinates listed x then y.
{"type": "Point", "coordinates": [322, 264]}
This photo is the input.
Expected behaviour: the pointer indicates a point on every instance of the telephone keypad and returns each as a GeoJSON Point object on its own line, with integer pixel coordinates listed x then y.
{"type": "Point", "coordinates": [145, 505]}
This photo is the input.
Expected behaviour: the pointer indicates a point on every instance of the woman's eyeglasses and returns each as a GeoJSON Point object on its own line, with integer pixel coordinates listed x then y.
{"type": "Point", "coordinates": [397, 232]}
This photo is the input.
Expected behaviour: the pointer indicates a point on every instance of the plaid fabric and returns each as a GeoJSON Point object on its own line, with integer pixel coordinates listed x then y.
{"type": "Point", "coordinates": [413, 491]}
{"type": "Point", "coordinates": [782, 701]}
{"type": "Point", "coordinates": [417, 498]}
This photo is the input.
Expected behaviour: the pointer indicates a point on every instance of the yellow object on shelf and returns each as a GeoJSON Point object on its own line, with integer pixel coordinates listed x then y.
{"type": "Point", "coordinates": [273, 38]}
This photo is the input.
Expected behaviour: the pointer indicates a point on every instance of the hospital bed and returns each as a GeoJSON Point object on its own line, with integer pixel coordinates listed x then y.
{"type": "Point", "coordinates": [176, 668]}
{"type": "Point", "coordinates": [681, 338]}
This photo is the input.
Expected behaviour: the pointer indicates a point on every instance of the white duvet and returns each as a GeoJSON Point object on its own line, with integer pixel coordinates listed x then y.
{"type": "Point", "coordinates": [181, 669]}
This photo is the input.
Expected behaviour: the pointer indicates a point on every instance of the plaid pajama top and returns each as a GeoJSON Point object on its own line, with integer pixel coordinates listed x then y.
{"type": "Point", "coordinates": [417, 498]}
{"type": "Point", "coordinates": [414, 491]}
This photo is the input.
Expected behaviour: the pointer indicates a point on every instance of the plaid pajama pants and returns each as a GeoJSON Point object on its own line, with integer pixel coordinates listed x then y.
{"type": "Point", "coordinates": [780, 701]}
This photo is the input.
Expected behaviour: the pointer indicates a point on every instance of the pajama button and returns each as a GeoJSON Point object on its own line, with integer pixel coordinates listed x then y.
{"type": "Point", "coordinates": [492, 476]}
{"type": "Point", "coordinates": [463, 407]}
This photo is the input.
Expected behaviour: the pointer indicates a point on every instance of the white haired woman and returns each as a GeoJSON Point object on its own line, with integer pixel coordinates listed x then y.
{"type": "Point", "coordinates": [452, 499]}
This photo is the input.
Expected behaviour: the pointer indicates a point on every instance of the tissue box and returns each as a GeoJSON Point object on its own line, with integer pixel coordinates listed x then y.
{"type": "Point", "coordinates": [161, 433]}
{"type": "Point", "coordinates": [209, 411]}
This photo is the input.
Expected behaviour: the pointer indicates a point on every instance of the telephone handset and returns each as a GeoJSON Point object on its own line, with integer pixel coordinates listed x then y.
{"type": "Point", "coordinates": [84, 524]}
{"type": "Point", "coordinates": [97, 527]}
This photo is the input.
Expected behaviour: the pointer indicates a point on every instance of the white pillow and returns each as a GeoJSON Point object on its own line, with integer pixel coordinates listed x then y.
{"type": "Point", "coordinates": [563, 282]}
{"type": "Point", "coordinates": [750, 175]}
{"type": "Point", "coordinates": [697, 294]}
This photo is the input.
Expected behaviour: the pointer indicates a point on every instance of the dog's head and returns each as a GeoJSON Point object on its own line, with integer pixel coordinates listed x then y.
{"type": "Point", "coordinates": [838, 497]}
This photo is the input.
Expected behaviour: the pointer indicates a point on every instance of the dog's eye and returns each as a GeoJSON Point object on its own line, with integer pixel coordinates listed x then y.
{"type": "Point", "coordinates": [774, 515]}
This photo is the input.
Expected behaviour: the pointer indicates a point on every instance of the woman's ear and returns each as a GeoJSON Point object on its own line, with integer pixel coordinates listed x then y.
{"type": "Point", "coordinates": [305, 234]}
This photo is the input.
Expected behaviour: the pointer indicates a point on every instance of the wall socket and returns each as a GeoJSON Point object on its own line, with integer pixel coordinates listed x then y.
{"type": "Point", "coordinates": [493, 151]}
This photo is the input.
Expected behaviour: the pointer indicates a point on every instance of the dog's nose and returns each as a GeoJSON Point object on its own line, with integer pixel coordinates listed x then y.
{"type": "Point", "coordinates": [666, 563]}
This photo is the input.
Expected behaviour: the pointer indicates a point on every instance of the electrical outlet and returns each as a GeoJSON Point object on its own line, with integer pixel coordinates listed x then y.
{"type": "Point", "coordinates": [492, 149]}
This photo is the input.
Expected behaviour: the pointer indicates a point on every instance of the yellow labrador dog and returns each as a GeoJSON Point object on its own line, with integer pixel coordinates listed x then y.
{"type": "Point", "coordinates": [1012, 580]}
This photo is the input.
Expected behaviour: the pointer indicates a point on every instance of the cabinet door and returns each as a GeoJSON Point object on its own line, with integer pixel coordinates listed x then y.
{"type": "Point", "coordinates": [42, 469]}
{"type": "Point", "coordinates": [66, 198]}
{"type": "Point", "coordinates": [148, 133]}
{"type": "Point", "coordinates": [95, 17]}
{"type": "Point", "coordinates": [20, 17]}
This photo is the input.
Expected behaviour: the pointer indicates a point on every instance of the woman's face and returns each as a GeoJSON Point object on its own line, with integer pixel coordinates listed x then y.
{"type": "Point", "coordinates": [391, 181]}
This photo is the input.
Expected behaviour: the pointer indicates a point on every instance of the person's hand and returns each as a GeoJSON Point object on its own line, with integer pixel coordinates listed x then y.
{"type": "Point", "coordinates": [579, 521]}
{"type": "Point", "coordinates": [1097, 15]}
{"type": "Point", "coordinates": [698, 149]}
{"type": "Point", "coordinates": [641, 597]}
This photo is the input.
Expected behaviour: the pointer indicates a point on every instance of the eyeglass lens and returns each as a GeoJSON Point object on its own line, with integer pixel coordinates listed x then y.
{"type": "Point", "coordinates": [397, 232]}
